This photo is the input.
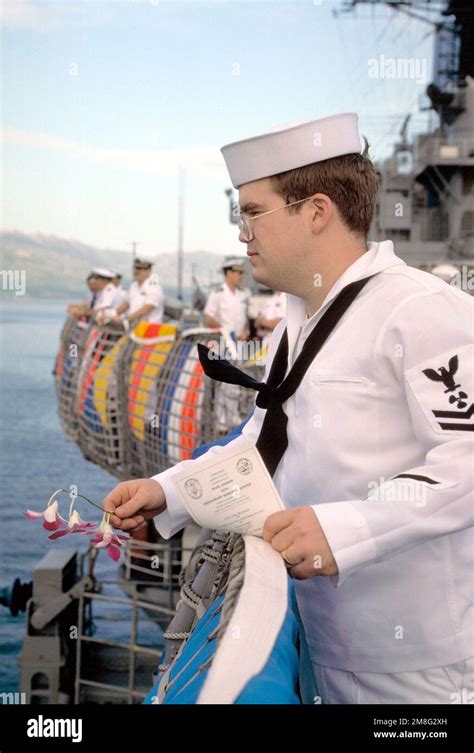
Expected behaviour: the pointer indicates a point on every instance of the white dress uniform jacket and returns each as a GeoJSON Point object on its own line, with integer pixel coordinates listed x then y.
{"type": "Point", "coordinates": [149, 292]}
{"type": "Point", "coordinates": [107, 298]}
{"type": "Point", "coordinates": [121, 295]}
{"type": "Point", "coordinates": [275, 308]}
{"type": "Point", "coordinates": [228, 308]}
{"type": "Point", "coordinates": [380, 436]}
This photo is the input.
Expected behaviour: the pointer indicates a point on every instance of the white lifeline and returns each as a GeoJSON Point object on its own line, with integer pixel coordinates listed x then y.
{"type": "Point", "coordinates": [385, 396]}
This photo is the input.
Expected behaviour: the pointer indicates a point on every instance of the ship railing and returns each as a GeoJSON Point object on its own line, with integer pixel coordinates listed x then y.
{"type": "Point", "coordinates": [137, 403]}
{"type": "Point", "coordinates": [66, 372]}
{"type": "Point", "coordinates": [149, 594]}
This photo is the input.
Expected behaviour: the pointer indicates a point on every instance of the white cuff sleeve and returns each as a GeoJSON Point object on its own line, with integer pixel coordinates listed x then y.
{"type": "Point", "coordinates": [176, 516]}
{"type": "Point", "coordinates": [348, 535]}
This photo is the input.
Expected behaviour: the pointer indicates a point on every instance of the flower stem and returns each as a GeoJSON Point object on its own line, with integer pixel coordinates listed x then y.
{"type": "Point", "coordinates": [94, 504]}
{"type": "Point", "coordinates": [53, 495]}
{"type": "Point", "coordinates": [58, 491]}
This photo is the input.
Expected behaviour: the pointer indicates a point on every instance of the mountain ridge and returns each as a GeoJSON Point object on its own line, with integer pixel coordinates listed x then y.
{"type": "Point", "coordinates": [57, 267]}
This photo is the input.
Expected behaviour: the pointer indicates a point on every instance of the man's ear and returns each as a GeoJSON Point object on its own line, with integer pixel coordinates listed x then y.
{"type": "Point", "coordinates": [322, 210]}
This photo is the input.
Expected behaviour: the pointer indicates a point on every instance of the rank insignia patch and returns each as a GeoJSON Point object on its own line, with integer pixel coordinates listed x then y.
{"type": "Point", "coordinates": [444, 389]}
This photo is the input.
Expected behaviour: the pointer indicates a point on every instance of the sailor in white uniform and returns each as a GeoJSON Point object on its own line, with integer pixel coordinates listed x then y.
{"type": "Point", "coordinates": [107, 298]}
{"type": "Point", "coordinates": [102, 301]}
{"type": "Point", "coordinates": [145, 298]}
{"type": "Point", "coordinates": [78, 310]}
{"type": "Point", "coordinates": [377, 474]}
{"type": "Point", "coordinates": [270, 315]}
{"type": "Point", "coordinates": [226, 306]}
{"type": "Point", "coordinates": [121, 293]}
{"type": "Point", "coordinates": [93, 291]}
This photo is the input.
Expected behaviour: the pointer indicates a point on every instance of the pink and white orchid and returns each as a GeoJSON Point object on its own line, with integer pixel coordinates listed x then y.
{"type": "Point", "coordinates": [52, 518]}
{"type": "Point", "coordinates": [75, 525]}
{"type": "Point", "coordinates": [105, 537]}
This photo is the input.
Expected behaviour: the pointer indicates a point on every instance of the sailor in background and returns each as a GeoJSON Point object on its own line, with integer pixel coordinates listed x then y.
{"type": "Point", "coordinates": [102, 297]}
{"type": "Point", "coordinates": [122, 295]}
{"type": "Point", "coordinates": [145, 299]}
{"type": "Point", "coordinates": [226, 306]}
{"type": "Point", "coordinates": [270, 315]}
{"type": "Point", "coordinates": [375, 461]}
{"type": "Point", "coordinates": [76, 309]}
{"type": "Point", "coordinates": [93, 291]}
{"type": "Point", "coordinates": [107, 296]}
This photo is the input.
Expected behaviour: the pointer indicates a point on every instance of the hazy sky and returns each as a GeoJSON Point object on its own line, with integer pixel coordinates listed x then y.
{"type": "Point", "coordinates": [103, 101]}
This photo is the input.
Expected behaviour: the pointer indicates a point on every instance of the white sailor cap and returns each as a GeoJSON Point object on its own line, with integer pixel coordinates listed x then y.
{"type": "Point", "coordinates": [237, 264]}
{"type": "Point", "coordinates": [102, 272]}
{"type": "Point", "coordinates": [446, 272]}
{"type": "Point", "coordinates": [288, 147]}
{"type": "Point", "coordinates": [142, 263]}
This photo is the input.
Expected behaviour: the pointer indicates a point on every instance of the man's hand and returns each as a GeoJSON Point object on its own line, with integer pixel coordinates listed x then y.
{"type": "Point", "coordinates": [75, 310]}
{"type": "Point", "coordinates": [134, 502]}
{"type": "Point", "coordinates": [261, 322]}
{"type": "Point", "coordinates": [298, 534]}
{"type": "Point", "coordinates": [244, 335]}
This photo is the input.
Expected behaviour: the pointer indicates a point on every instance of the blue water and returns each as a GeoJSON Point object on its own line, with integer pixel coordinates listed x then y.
{"type": "Point", "coordinates": [35, 460]}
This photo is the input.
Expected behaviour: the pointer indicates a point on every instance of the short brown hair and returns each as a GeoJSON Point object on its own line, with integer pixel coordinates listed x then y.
{"type": "Point", "coordinates": [350, 181]}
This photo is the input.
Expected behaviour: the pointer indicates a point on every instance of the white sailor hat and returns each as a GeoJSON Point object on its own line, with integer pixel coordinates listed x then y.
{"type": "Point", "coordinates": [446, 272]}
{"type": "Point", "coordinates": [102, 272]}
{"type": "Point", "coordinates": [236, 264]}
{"type": "Point", "coordinates": [142, 263]}
{"type": "Point", "coordinates": [288, 147]}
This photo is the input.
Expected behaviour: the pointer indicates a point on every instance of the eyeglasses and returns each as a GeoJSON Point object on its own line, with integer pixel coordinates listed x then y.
{"type": "Point", "coordinates": [243, 221]}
